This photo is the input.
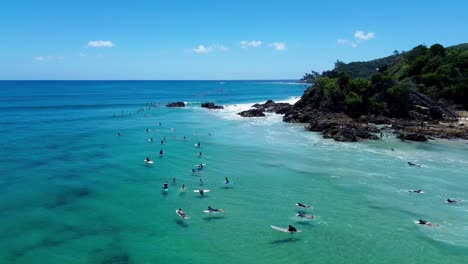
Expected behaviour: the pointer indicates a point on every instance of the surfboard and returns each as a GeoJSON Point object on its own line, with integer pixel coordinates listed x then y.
{"type": "Point", "coordinates": [214, 212]}
{"type": "Point", "coordinates": [283, 229]}
{"type": "Point", "coordinates": [149, 162]}
{"type": "Point", "coordinates": [203, 191]}
{"type": "Point", "coordinates": [184, 217]}
{"type": "Point", "coordinates": [413, 191]}
{"type": "Point", "coordinates": [306, 216]}
{"type": "Point", "coordinates": [165, 189]}
{"type": "Point", "coordinates": [196, 165]}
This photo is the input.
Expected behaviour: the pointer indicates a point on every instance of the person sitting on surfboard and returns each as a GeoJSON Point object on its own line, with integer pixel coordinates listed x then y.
{"type": "Point", "coordinates": [201, 191]}
{"type": "Point", "coordinates": [118, 134]}
{"type": "Point", "coordinates": [183, 186]}
{"type": "Point", "coordinates": [181, 213]}
{"type": "Point", "coordinates": [162, 142]}
{"type": "Point", "coordinates": [147, 159]}
{"type": "Point", "coordinates": [198, 144]}
{"type": "Point", "coordinates": [165, 185]}
{"type": "Point", "coordinates": [453, 201]}
{"type": "Point", "coordinates": [292, 229]}
{"type": "Point", "coordinates": [151, 139]}
{"type": "Point", "coordinates": [227, 181]}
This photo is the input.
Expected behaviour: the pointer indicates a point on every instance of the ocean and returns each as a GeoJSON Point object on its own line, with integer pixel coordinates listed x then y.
{"type": "Point", "coordinates": [75, 192]}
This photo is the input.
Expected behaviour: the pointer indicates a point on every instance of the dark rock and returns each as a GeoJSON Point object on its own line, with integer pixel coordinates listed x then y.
{"type": "Point", "coordinates": [176, 104]}
{"type": "Point", "coordinates": [271, 106]}
{"type": "Point", "coordinates": [412, 137]}
{"type": "Point", "coordinates": [211, 105]}
{"type": "Point", "coordinates": [252, 113]}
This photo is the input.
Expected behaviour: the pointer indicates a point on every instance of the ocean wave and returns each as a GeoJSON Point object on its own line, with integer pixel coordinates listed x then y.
{"type": "Point", "coordinates": [230, 111]}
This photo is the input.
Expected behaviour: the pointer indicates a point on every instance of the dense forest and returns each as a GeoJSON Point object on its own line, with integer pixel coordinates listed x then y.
{"type": "Point", "coordinates": [387, 86]}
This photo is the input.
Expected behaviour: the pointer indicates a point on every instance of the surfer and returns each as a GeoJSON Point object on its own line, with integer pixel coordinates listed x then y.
{"type": "Point", "coordinates": [198, 144]}
{"type": "Point", "coordinates": [453, 201]}
{"type": "Point", "coordinates": [292, 229]}
{"type": "Point", "coordinates": [200, 154]}
{"type": "Point", "coordinates": [185, 138]}
{"type": "Point", "coordinates": [147, 159]}
{"type": "Point", "coordinates": [174, 180]}
{"type": "Point", "coordinates": [303, 205]}
{"type": "Point", "coordinates": [193, 171]}
{"type": "Point", "coordinates": [161, 152]}
{"type": "Point", "coordinates": [181, 213]}
{"type": "Point", "coordinates": [165, 185]}
{"type": "Point", "coordinates": [151, 140]}
{"type": "Point", "coordinates": [200, 166]}
{"type": "Point", "coordinates": [415, 191]}
{"type": "Point", "coordinates": [201, 191]}
{"type": "Point", "coordinates": [118, 134]}
{"type": "Point", "coordinates": [147, 130]}
{"type": "Point", "coordinates": [392, 149]}
{"type": "Point", "coordinates": [424, 222]}
{"type": "Point", "coordinates": [227, 181]}
{"type": "Point", "coordinates": [183, 186]}
{"type": "Point", "coordinates": [413, 164]}
{"type": "Point", "coordinates": [211, 209]}
{"type": "Point", "coordinates": [159, 124]}
{"type": "Point", "coordinates": [162, 142]}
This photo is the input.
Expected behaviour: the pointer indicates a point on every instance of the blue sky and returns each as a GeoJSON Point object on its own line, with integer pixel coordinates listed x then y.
{"type": "Point", "coordinates": [173, 40]}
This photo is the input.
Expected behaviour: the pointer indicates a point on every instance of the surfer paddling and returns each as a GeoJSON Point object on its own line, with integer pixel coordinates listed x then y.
{"type": "Point", "coordinates": [302, 205]}
{"type": "Point", "coordinates": [424, 222]}
{"type": "Point", "coordinates": [181, 213]}
{"type": "Point", "coordinates": [452, 201]}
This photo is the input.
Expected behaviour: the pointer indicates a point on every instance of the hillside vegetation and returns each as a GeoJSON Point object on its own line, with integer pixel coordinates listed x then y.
{"type": "Point", "coordinates": [387, 86]}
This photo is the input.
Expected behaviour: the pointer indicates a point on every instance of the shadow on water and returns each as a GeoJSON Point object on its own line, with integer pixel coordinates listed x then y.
{"type": "Point", "coordinates": [286, 240]}
{"type": "Point", "coordinates": [304, 223]}
{"type": "Point", "coordinates": [211, 218]}
{"type": "Point", "coordinates": [164, 193]}
{"type": "Point", "coordinates": [69, 196]}
{"type": "Point", "coordinates": [181, 223]}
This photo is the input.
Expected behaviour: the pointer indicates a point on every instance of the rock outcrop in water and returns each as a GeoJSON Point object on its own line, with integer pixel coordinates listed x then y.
{"type": "Point", "coordinates": [176, 104]}
{"type": "Point", "coordinates": [412, 137]}
{"type": "Point", "coordinates": [211, 105]}
{"type": "Point", "coordinates": [252, 113]}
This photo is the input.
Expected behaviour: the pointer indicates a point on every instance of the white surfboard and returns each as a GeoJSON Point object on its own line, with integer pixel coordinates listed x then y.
{"type": "Point", "coordinates": [184, 217]}
{"type": "Point", "coordinates": [214, 212]}
{"type": "Point", "coordinates": [306, 216]}
{"type": "Point", "coordinates": [149, 162]}
{"type": "Point", "coordinates": [203, 191]}
{"type": "Point", "coordinates": [283, 229]}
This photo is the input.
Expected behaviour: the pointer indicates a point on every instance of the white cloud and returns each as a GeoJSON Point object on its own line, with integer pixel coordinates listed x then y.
{"type": "Point", "coordinates": [100, 44]}
{"type": "Point", "coordinates": [360, 35]}
{"type": "Point", "coordinates": [254, 43]}
{"type": "Point", "coordinates": [208, 49]}
{"type": "Point", "coordinates": [48, 58]}
{"type": "Point", "coordinates": [346, 42]}
{"type": "Point", "coordinates": [279, 46]}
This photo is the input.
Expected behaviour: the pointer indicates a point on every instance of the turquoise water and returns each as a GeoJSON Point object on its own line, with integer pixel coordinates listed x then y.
{"type": "Point", "coordinates": [74, 192]}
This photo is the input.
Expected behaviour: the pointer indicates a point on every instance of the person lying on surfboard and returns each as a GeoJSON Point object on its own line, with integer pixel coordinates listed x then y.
{"type": "Point", "coordinates": [424, 222]}
{"type": "Point", "coordinates": [181, 213]}
{"type": "Point", "coordinates": [211, 209]}
{"type": "Point", "coordinates": [303, 205]}
{"type": "Point", "coordinates": [453, 201]}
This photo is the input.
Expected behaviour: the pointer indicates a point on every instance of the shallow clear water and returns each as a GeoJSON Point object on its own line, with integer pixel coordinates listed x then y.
{"type": "Point", "coordinates": [74, 192]}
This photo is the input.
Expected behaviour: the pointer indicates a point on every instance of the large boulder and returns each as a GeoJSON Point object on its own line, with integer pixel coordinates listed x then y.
{"type": "Point", "coordinates": [412, 137]}
{"type": "Point", "coordinates": [176, 104]}
{"type": "Point", "coordinates": [252, 113]}
{"type": "Point", "coordinates": [271, 106]}
{"type": "Point", "coordinates": [211, 105]}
